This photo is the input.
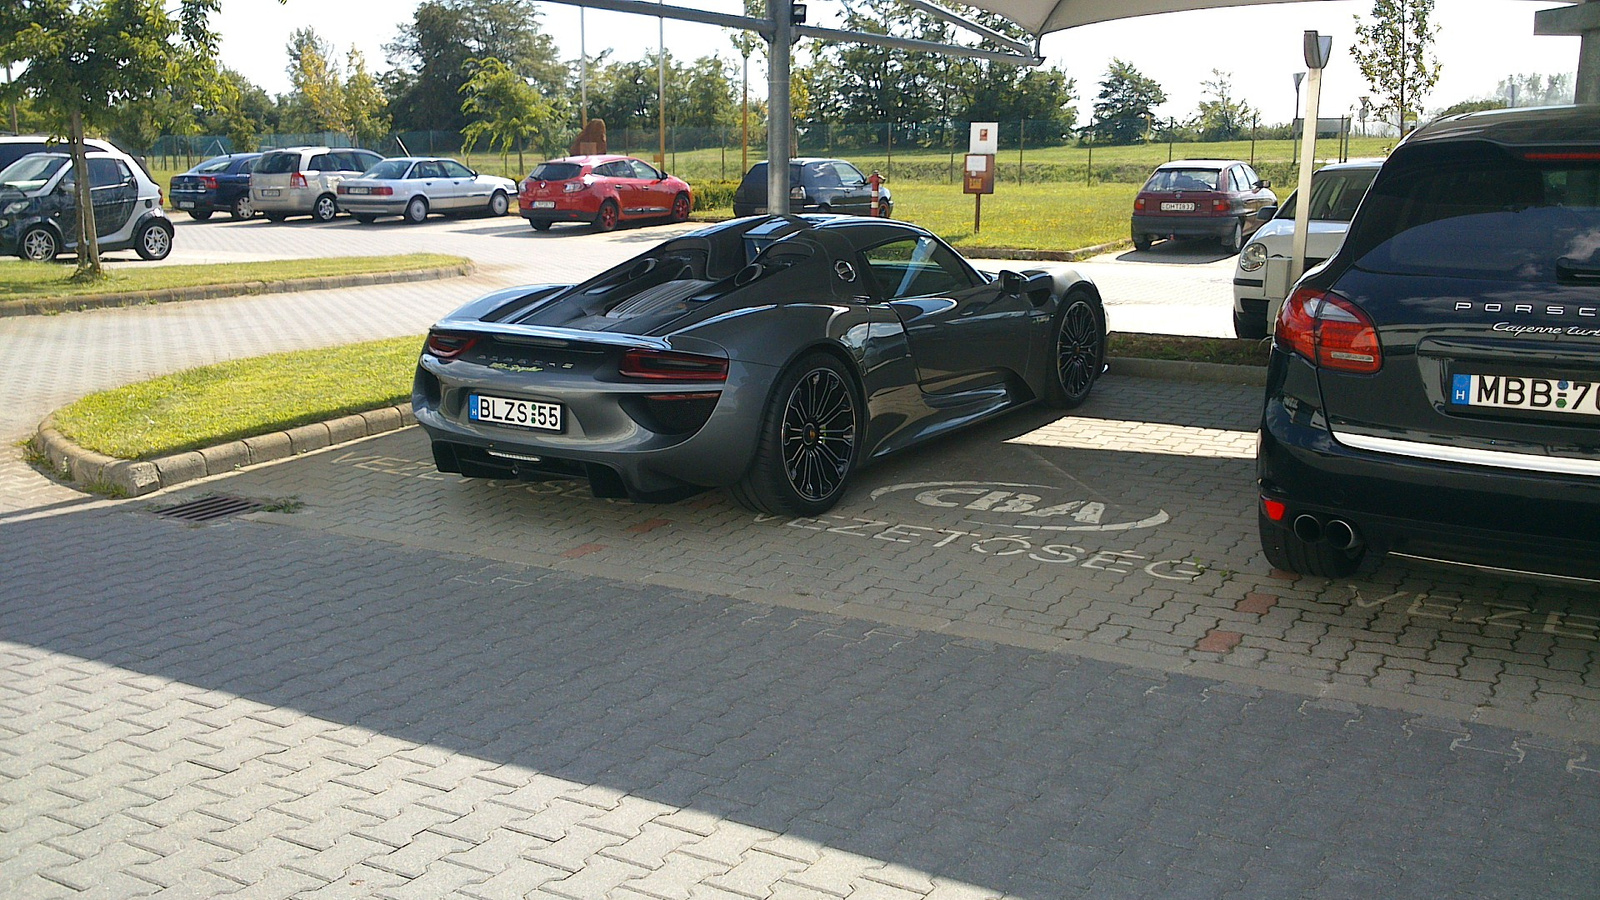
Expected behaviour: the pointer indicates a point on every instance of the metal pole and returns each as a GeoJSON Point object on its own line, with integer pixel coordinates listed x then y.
{"type": "Point", "coordinates": [583, 77]}
{"type": "Point", "coordinates": [1308, 160]}
{"type": "Point", "coordinates": [744, 147]}
{"type": "Point", "coordinates": [1022, 126]}
{"type": "Point", "coordinates": [661, 88]}
{"type": "Point", "coordinates": [781, 16]}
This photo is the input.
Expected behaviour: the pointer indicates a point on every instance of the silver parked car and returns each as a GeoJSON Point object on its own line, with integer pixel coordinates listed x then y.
{"type": "Point", "coordinates": [1261, 276]}
{"type": "Point", "coordinates": [415, 186]}
{"type": "Point", "coordinates": [298, 181]}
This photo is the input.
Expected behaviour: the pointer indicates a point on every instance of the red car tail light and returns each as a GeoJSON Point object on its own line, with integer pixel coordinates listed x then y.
{"type": "Point", "coordinates": [1138, 203]}
{"type": "Point", "coordinates": [297, 180]}
{"type": "Point", "coordinates": [383, 191]}
{"type": "Point", "coordinates": [446, 345]}
{"type": "Point", "coordinates": [208, 182]}
{"type": "Point", "coordinates": [1221, 205]}
{"type": "Point", "coordinates": [572, 187]}
{"type": "Point", "coordinates": [1330, 331]}
{"type": "Point", "coordinates": [1275, 509]}
{"type": "Point", "coordinates": [662, 365]}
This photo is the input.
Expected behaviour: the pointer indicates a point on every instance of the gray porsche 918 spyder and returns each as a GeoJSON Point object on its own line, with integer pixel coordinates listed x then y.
{"type": "Point", "coordinates": [771, 355]}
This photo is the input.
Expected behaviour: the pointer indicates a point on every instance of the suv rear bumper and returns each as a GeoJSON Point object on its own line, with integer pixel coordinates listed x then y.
{"type": "Point", "coordinates": [1460, 512]}
{"type": "Point", "coordinates": [293, 200]}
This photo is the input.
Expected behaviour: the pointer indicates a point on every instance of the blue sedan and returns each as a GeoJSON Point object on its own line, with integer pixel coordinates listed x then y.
{"type": "Point", "coordinates": [220, 183]}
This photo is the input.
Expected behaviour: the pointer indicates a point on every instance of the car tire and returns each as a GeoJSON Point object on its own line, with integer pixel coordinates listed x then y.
{"type": "Point", "coordinates": [416, 211]}
{"type": "Point", "coordinates": [276, 216]}
{"type": "Point", "coordinates": [154, 240]}
{"type": "Point", "coordinates": [680, 208]}
{"type": "Point", "coordinates": [326, 207]}
{"type": "Point", "coordinates": [1142, 242]}
{"type": "Point", "coordinates": [1233, 241]}
{"type": "Point", "coordinates": [539, 224]}
{"type": "Point", "coordinates": [499, 204]}
{"type": "Point", "coordinates": [199, 215]}
{"type": "Point", "coordinates": [810, 440]}
{"type": "Point", "coordinates": [1077, 348]}
{"type": "Point", "coordinates": [1286, 551]}
{"type": "Point", "coordinates": [39, 244]}
{"type": "Point", "coordinates": [1248, 326]}
{"type": "Point", "coordinates": [242, 208]}
{"type": "Point", "coordinates": [885, 209]}
{"type": "Point", "coordinates": [366, 218]}
{"type": "Point", "coordinates": [608, 216]}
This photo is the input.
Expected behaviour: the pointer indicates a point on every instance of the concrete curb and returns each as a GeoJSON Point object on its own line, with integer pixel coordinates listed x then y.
{"type": "Point", "coordinates": [1180, 370]}
{"type": "Point", "coordinates": [53, 305]}
{"type": "Point", "coordinates": [91, 471]}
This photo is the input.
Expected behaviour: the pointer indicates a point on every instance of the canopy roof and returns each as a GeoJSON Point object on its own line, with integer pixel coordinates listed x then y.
{"type": "Point", "coordinates": [1044, 16]}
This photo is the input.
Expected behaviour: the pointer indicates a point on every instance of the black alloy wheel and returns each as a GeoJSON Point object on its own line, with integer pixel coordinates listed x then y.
{"type": "Point", "coordinates": [325, 208]}
{"type": "Point", "coordinates": [1080, 349]}
{"type": "Point", "coordinates": [809, 441]}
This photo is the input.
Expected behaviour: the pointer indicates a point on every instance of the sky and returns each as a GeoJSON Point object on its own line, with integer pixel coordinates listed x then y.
{"type": "Point", "coordinates": [1479, 43]}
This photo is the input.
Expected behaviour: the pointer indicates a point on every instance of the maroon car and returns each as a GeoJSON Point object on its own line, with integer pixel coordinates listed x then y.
{"type": "Point", "coordinates": [1215, 198]}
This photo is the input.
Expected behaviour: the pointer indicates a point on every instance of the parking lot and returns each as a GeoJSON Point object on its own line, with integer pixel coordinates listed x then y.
{"type": "Point", "coordinates": [1043, 658]}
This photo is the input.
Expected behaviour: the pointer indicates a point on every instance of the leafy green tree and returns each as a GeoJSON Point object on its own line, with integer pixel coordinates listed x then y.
{"type": "Point", "coordinates": [1221, 116]}
{"type": "Point", "coordinates": [365, 109]}
{"type": "Point", "coordinates": [504, 109]}
{"type": "Point", "coordinates": [430, 57]}
{"type": "Point", "coordinates": [1534, 89]}
{"type": "Point", "coordinates": [1467, 106]}
{"type": "Point", "coordinates": [1394, 53]}
{"type": "Point", "coordinates": [316, 97]}
{"type": "Point", "coordinates": [1124, 108]}
{"type": "Point", "coordinates": [706, 97]}
{"type": "Point", "coordinates": [86, 57]}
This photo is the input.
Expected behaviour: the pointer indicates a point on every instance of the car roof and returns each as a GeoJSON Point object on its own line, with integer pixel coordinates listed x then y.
{"type": "Point", "coordinates": [593, 159]}
{"type": "Point", "coordinates": [1526, 126]}
{"type": "Point", "coordinates": [1200, 164]}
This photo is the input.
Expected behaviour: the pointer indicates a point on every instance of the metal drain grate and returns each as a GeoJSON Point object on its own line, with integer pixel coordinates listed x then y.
{"type": "Point", "coordinates": [210, 509]}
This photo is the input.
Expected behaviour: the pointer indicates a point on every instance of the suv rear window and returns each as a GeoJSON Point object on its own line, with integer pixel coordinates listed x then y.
{"type": "Point", "coordinates": [1484, 214]}
{"type": "Point", "coordinates": [1183, 180]}
{"type": "Point", "coordinates": [278, 163]}
{"type": "Point", "coordinates": [556, 171]}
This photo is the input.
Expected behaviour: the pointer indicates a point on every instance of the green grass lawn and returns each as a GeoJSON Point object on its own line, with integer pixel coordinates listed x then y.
{"type": "Point", "coordinates": [1037, 217]}
{"type": "Point", "coordinates": [225, 402]}
{"type": "Point", "coordinates": [20, 280]}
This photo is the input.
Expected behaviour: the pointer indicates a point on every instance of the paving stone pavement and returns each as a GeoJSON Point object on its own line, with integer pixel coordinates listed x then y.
{"type": "Point", "coordinates": [251, 710]}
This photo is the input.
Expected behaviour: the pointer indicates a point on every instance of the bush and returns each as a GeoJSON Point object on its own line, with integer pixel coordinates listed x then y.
{"type": "Point", "coordinates": [713, 194]}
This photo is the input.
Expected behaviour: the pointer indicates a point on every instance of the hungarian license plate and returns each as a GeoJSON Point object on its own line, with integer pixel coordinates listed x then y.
{"type": "Point", "coordinates": [1555, 395]}
{"type": "Point", "coordinates": [521, 413]}
{"type": "Point", "coordinates": [544, 204]}
{"type": "Point", "coordinates": [358, 190]}
{"type": "Point", "coordinates": [1177, 207]}
{"type": "Point", "coordinates": [269, 192]}
{"type": "Point", "coordinates": [186, 204]}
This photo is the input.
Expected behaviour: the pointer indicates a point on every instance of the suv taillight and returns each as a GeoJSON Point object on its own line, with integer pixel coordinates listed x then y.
{"type": "Point", "coordinates": [297, 180]}
{"type": "Point", "coordinates": [1330, 331]}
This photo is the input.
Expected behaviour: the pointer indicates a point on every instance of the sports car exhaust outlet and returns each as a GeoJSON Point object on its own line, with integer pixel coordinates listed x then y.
{"type": "Point", "coordinates": [1342, 534]}
{"type": "Point", "coordinates": [1308, 528]}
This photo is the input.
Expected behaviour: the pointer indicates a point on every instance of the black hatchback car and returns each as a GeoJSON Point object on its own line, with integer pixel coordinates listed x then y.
{"type": "Point", "coordinates": [815, 186]}
{"type": "Point", "coordinates": [220, 184]}
{"type": "Point", "coordinates": [1434, 388]}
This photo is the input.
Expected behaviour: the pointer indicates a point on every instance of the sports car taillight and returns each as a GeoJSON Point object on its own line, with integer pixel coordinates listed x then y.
{"type": "Point", "coordinates": [1330, 331]}
{"type": "Point", "coordinates": [662, 365]}
{"type": "Point", "coordinates": [445, 345]}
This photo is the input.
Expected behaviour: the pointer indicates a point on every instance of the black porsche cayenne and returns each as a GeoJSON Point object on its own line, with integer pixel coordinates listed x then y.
{"type": "Point", "coordinates": [1434, 388]}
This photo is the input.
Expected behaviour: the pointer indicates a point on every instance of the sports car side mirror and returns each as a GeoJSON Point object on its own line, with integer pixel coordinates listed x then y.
{"type": "Point", "coordinates": [1010, 282]}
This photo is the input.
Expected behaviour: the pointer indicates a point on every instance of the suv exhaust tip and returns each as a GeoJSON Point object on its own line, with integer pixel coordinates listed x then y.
{"type": "Point", "coordinates": [1342, 534]}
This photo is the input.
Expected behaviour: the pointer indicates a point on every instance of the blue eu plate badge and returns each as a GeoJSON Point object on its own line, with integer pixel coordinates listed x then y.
{"type": "Point", "coordinates": [1460, 388]}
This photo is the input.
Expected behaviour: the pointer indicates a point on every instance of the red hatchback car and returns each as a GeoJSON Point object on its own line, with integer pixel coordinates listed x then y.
{"type": "Point", "coordinates": [603, 191]}
{"type": "Point", "coordinates": [1215, 198]}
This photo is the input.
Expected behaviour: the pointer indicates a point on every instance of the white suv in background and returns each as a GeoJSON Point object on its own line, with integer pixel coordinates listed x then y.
{"type": "Point", "coordinates": [297, 181]}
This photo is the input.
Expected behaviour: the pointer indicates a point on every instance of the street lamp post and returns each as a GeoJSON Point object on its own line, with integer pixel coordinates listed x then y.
{"type": "Point", "coordinates": [1317, 50]}
{"type": "Point", "coordinates": [1298, 77]}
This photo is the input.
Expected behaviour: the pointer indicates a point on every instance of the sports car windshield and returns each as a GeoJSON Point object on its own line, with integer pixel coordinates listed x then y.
{"type": "Point", "coordinates": [31, 172]}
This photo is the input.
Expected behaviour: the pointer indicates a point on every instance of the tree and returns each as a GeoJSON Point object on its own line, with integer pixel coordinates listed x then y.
{"type": "Point", "coordinates": [316, 96]}
{"type": "Point", "coordinates": [503, 108]}
{"type": "Point", "coordinates": [1124, 110]}
{"type": "Point", "coordinates": [705, 98]}
{"type": "Point", "coordinates": [1221, 117]}
{"type": "Point", "coordinates": [431, 55]}
{"type": "Point", "coordinates": [1394, 54]}
{"type": "Point", "coordinates": [1534, 89]}
{"type": "Point", "coordinates": [364, 107]}
{"type": "Point", "coordinates": [85, 57]}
